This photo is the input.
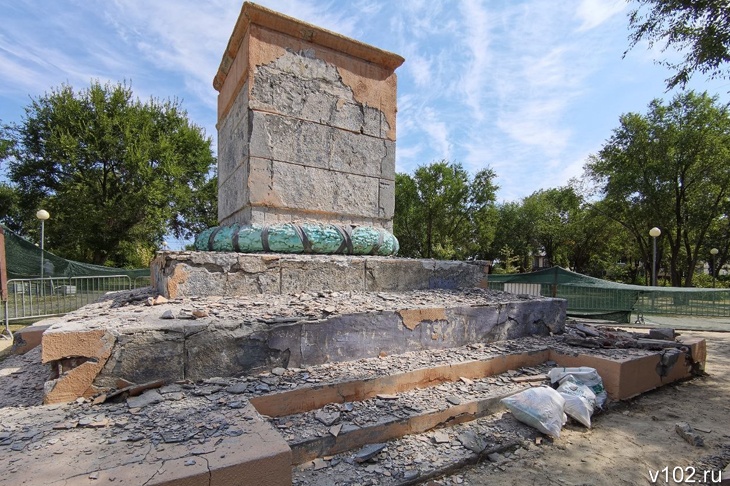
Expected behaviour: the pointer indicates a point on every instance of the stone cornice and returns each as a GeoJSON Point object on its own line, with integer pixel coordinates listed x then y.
{"type": "Point", "coordinates": [257, 15]}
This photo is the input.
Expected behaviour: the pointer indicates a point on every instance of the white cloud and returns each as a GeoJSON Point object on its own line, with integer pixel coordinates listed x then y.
{"type": "Point", "coordinates": [536, 124]}
{"type": "Point", "coordinates": [592, 13]}
{"type": "Point", "coordinates": [421, 70]}
{"type": "Point", "coordinates": [437, 132]}
{"type": "Point", "coordinates": [474, 77]}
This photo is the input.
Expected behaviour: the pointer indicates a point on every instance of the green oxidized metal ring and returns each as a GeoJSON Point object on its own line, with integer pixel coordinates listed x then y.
{"type": "Point", "coordinates": [309, 238]}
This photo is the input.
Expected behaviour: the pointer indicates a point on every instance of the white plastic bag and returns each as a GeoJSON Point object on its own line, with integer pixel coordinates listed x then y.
{"type": "Point", "coordinates": [541, 408]}
{"type": "Point", "coordinates": [579, 400]}
{"type": "Point", "coordinates": [585, 375]}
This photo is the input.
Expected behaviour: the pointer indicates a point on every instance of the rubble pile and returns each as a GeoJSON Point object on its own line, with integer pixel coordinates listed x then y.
{"type": "Point", "coordinates": [593, 337]}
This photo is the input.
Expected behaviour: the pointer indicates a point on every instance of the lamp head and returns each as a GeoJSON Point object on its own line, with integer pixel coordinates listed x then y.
{"type": "Point", "coordinates": [42, 215]}
{"type": "Point", "coordinates": [654, 232]}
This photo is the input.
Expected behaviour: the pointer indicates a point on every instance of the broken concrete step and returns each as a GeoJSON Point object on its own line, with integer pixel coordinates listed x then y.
{"type": "Point", "coordinates": [416, 458]}
{"type": "Point", "coordinates": [338, 427]}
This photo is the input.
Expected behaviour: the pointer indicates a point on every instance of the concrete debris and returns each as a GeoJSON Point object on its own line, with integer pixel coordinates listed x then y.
{"type": "Point", "coordinates": [587, 336]}
{"type": "Point", "coordinates": [147, 398]}
{"type": "Point", "coordinates": [195, 415]}
{"type": "Point", "coordinates": [368, 452]}
{"type": "Point", "coordinates": [326, 418]}
{"type": "Point", "coordinates": [686, 431]}
{"type": "Point", "coordinates": [441, 437]}
{"type": "Point", "coordinates": [665, 333]}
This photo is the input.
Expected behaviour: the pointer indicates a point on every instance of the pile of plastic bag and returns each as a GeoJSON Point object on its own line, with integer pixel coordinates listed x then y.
{"type": "Point", "coordinates": [579, 392]}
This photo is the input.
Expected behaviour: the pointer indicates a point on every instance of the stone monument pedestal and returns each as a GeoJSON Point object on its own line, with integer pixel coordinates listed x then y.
{"type": "Point", "coordinates": [306, 125]}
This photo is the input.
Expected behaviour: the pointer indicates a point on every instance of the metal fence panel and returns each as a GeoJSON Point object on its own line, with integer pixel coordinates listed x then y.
{"type": "Point", "coordinates": [618, 303]}
{"type": "Point", "coordinates": [34, 298]}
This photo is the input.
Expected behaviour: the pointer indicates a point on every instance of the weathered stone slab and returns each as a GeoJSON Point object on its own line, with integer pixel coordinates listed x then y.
{"type": "Point", "coordinates": [365, 335]}
{"type": "Point", "coordinates": [322, 272]}
{"type": "Point", "coordinates": [234, 134]}
{"type": "Point", "coordinates": [316, 191]}
{"type": "Point", "coordinates": [218, 350]}
{"type": "Point", "coordinates": [253, 274]}
{"type": "Point", "coordinates": [197, 338]}
{"type": "Point", "coordinates": [299, 84]}
{"type": "Point", "coordinates": [293, 140]}
{"type": "Point", "coordinates": [28, 338]}
{"type": "Point", "coordinates": [232, 193]}
{"type": "Point", "coordinates": [247, 451]}
{"type": "Point", "coordinates": [147, 355]}
{"type": "Point", "coordinates": [181, 274]}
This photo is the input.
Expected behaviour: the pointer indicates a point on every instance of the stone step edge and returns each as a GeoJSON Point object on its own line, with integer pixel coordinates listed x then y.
{"type": "Point", "coordinates": [346, 440]}
{"type": "Point", "coordinates": [623, 378]}
{"type": "Point", "coordinates": [316, 396]}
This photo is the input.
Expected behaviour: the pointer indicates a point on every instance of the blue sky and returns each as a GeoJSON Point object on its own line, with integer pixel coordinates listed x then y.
{"type": "Point", "coordinates": [530, 88]}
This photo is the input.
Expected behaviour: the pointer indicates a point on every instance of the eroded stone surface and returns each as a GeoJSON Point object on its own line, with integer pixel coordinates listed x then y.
{"type": "Point", "coordinates": [190, 274]}
{"type": "Point", "coordinates": [178, 437]}
{"type": "Point", "coordinates": [306, 130]}
{"type": "Point", "coordinates": [217, 336]}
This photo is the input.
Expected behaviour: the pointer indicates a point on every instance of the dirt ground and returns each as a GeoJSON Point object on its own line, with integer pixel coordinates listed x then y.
{"type": "Point", "coordinates": [636, 440]}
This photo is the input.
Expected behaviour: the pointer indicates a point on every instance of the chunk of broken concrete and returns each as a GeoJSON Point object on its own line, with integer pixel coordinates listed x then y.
{"type": "Point", "coordinates": [665, 333]}
{"type": "Point", "coordinates": [368, 452]}
{"type": "Point", "coordinates": [335, 429]}
{"type": "Point", "coordinates": [472, 441]}
{"type": "Point", "coordinates": [327, 418]}
{"type": "Point", "coordinates": [441, 437]}
{"type": "Point", "coordinates": [496, 457]}
{"type": "Point", "coordinates": [147, 398]}
{"type": "Point", "coordinates": [686, 431]}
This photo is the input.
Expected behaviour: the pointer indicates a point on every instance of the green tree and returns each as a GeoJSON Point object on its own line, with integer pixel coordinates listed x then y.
{"type": "Point", "coordinates": [698, 28]}
{"type": "Point", "coordinates": [512, 244]}
{"type": "Point", "coordinates": [114, 173]}
{"type": "Point", "coordinates": [10, 213]}
{"type": "Point", "coordinates": [718, 236]}
{"type": "Point", "coordinates": [669, 168]}
{"type": "Point", "coordinates": [442, 212]}
{"type": "Point", "coordinates": [553, 214]}
{"type": "Point", "coordinates": [6, 141]}
{"type": "Point", "coordinates": [603, 248]}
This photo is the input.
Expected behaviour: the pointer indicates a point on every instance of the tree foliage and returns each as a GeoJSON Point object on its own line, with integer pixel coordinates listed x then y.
{"type": "Point", "coordinates": [443, 212]}
{"type": "Point", "coordinates": [553, 214]}
{"type": "Point", "coordinates": [6, 141]}
{"type": "Point", "coordinates": [557, 224]}
{"type": "Point", "coordinates": [114, 173]}
{"type": "Point", "coordinates": [669, 168]}
{"type": "Point", "coordinates": [700, 29]}
{"type": "Point", "coordinates": [512, 245]}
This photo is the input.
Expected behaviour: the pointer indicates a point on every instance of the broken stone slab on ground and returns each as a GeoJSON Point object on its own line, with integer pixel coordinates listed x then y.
{"type": "Point", "coordinates": [173, 442]}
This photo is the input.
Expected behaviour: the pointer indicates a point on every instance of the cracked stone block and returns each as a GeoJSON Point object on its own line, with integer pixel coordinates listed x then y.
{"type": "Point", "coordinates": [333, 272]}
{"type": "Point", "coordinates": [306, 126]}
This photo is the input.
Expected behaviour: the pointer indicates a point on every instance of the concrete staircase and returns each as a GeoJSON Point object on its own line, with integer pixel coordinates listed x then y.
{"type": "Point", "coordinates": [409, 427]}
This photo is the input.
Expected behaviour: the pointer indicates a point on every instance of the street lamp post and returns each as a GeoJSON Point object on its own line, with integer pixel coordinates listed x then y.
{"type": "Point", "coordinates": [43, 215]}
{"type": "Point", "coordinates": [654, 233]}
{"type": "Point", "coordinates": [714, 253]}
